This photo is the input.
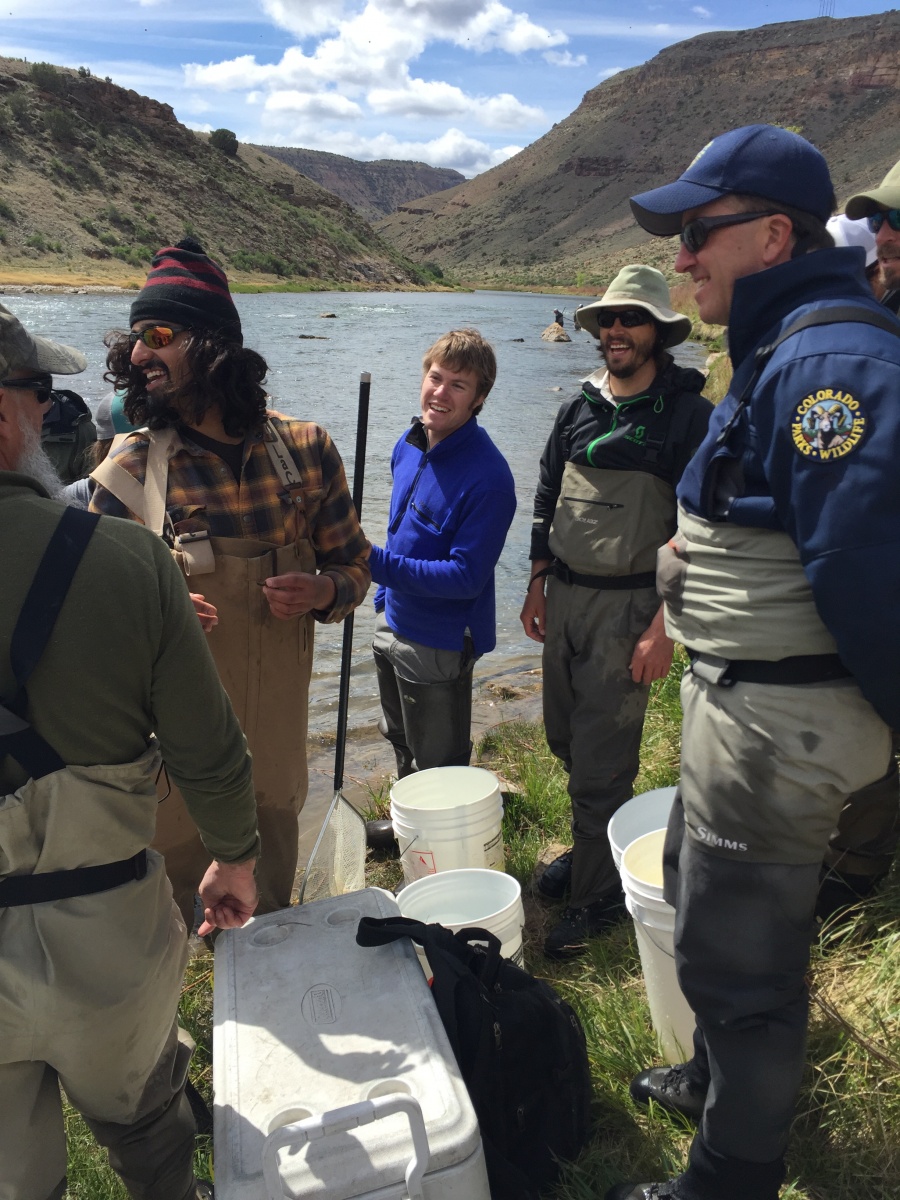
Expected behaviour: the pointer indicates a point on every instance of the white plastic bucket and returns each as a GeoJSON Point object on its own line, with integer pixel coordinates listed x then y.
{"type": "Point", "coordinates": [458, 899]}
{"type": "Point", "coordinates": [446, 819]}
{"type": "Point", "coordinates": [641, 814]}
{"type": "Point", "coordinates": [654, 924]}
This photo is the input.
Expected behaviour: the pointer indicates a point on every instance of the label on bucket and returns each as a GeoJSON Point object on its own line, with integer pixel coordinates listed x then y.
{"type": "Point", "coordinates": [420, 863]}
{"type": "Point", "coordinates": [493, 853]}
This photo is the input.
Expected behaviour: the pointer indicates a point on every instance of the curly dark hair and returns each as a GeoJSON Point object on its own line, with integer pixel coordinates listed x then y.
{"type": "Point", "coordinates": [221, 372]}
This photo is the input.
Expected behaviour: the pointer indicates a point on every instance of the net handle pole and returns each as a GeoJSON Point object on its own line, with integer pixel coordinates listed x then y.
{"type": "Point", "coordinates": [359, 470]}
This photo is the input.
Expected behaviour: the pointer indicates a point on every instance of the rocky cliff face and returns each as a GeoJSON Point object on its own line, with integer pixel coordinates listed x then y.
{"type": "Point", "coordinates": [558, 210]}
{"type": "Point", "coordinates": [95, 178]}
{"type": "Point", "coordinates": [373, 188]}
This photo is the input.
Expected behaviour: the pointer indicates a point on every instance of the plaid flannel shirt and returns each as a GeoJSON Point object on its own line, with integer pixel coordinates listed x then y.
{"type": "Point", "coordinates": [202, 493]}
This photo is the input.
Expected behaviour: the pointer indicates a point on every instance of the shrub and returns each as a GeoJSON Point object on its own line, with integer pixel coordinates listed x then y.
{"type": "Point", "coordinates": [46, 77]}
{"type": "Point", "coordinates": [84, 72]}
{"type": "Point", "coordinates": [37, 241]}
{"type": "Point", "coordinates": [224, 140]}
{"type": "Point", "coordinates": [89, 227]}
{"type": "Point", "coordinates": [108, 239]}
{"type": "Point", "coordinates": [60, 125]}
{"type": "Point", "coordinates": [6, 212]}
{"type": "Point", "coordinates": [17, 103]}
{"type": "Point", "coordinates": [258, 260]}
{"type": "Point", "coordinates": [116, 217]}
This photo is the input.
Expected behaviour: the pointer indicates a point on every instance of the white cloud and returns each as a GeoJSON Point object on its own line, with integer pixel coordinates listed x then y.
{"type": "Point", "coordinates": [421, 98]}
{"type": "Point", "coordinates": [320, 106]}
{"type": "Point", "coordinates": [199, 127]}
{"type": "Point", "coordinates": [565, 58]}
{"type": "Point", "coordinates": [609, 72]}
{"type": "Point", "coordinates": [701, 11]}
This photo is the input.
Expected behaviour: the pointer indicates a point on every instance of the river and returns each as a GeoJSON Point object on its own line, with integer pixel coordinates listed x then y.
{"type": "Point", "coordinates": [318, 380]}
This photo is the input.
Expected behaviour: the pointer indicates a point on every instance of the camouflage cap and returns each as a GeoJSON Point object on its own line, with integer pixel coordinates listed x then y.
{"type": "Point", "coordinates": [21, 350]}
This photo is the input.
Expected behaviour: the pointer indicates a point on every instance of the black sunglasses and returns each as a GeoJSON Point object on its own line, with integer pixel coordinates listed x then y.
{"type": "Point", "coordinates": [628, 318]}
{"type": "Point", "coordinates": [695, 233]}
{"type": "Point", "coordinates": [41, 385]}
{"type": "Point", "coordinates": [877, 219]}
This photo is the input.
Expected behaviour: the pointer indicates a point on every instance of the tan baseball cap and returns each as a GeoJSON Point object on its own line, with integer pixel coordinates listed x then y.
{"type": "Point", "coordinates": [21, 350]}
{"type": "Point", "coordinates": [886, 195]}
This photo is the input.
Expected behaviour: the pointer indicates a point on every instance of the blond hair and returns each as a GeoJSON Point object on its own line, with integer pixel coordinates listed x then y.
{"type": "Point", "coordinates": [465, 350]}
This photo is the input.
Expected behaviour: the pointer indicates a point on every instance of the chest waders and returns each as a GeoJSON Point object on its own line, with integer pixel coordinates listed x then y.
{"type": "Point", "coordinates": [264, 664]}
{"type": "Point", "coordinates": [92, 948]}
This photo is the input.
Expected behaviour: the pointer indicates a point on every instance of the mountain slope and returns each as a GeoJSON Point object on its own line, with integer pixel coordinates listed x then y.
{"type": "Point", "coordinates": [558, 211]}
{"type": "Point", "coordinates": [373, 188]}
{"type": "Point", "coordinates": [95, 178]}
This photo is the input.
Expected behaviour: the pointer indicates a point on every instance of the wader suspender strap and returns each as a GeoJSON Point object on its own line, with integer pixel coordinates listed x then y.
{"type": "Point", "coordinates": [21, 741]}
{"type": "Point", "coordinates": [285, 467]}
{"type": "Point", "coordinates": [833, 315]}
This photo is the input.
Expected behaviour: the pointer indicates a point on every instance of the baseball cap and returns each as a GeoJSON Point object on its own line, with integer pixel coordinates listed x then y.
{"type": "Point", "coordinates": [886, 195]}
{"type": "Point", "coordinates": [110, 418]}
{"type": "Point", "coordinates": [20, 349]}
{"type": "Point", "coordinates": [755, 160]}
{"type": "Point", "coordinates": [853, 233]}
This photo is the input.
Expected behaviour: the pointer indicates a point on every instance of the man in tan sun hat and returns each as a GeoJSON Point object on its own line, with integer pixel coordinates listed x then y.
{"type": "Point", "coordinates": [881, 208]}
{"type": "Point", "coordinates": [605, 503]}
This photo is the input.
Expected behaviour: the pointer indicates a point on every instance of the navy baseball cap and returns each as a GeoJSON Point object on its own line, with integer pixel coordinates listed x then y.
{"type": "Point", "coordinates": [755, 160]}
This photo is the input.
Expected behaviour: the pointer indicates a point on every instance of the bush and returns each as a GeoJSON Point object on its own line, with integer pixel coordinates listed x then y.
{"type": "Point", "coordinates": [257, 260]}
{"type": "Point", "coordinates": [46, 77]}
{"type": "Point", "coordinates": [37, 241]}
{"type": "Point", "coordinates": [84, 73]}
{"type": "Point", "coordinates": [17, 103]}
{"type": "Point", "coordinates": [224, 140]}
{"type": "Point", "coordinates": [60, 126]}
{"type": "Point", "coordinates": [89, 227]}
{"type": "Point", "coordinates": [6, 212]}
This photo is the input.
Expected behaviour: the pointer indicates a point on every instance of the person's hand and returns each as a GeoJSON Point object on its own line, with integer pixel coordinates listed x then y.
{"type": "Point", "coordinates": [207, 613]}
{"type": "Point", "coordinates": [229, 895]}
{"type": "Point", "coordinates": [534, 611]}
{"type": "Point", "coordinates": [652, 658]}
{"type": "Point", "coordinates": [297, 593]}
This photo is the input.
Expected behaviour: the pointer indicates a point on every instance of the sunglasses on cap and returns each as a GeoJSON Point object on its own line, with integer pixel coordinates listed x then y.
{"type": "Point", "coordinates": [694, 234]}
{"type": "Point", "coordinates": [628, 318]}
{"type": "Point", "coordinates": [155, 337]}
{"type": "Point", "coordinates": [892, 216]}
{"type": "Point", "coordinates": [41, 385]}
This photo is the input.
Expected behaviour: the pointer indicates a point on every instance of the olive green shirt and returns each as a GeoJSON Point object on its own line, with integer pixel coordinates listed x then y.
{"type": "Point", "coordinates": [127, 659]}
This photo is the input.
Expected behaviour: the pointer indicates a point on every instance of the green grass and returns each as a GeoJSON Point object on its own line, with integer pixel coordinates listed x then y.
{"type": "Point", "coordinates": [844, 1144]}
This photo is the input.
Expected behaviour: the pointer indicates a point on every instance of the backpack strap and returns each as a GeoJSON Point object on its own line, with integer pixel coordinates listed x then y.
{"type": "Point", "coordinates": [834, 314]}
{"type": "Point", "coordinates": [121, 484]}
{"type": "Point", "coordinates": [33, 628]}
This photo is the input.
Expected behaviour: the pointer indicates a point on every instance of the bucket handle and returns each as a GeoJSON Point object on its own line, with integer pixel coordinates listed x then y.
{"type": "Point", "coordinates": [409, 845]}
{"type": "Point", "coordinates": [648, 930]}
{"type": "Point", "coordinates": [340, 1120]}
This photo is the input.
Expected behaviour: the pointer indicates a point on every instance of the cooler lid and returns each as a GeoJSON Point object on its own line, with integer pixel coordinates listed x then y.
{"type": "Point", "coordinates": [306, 1021]}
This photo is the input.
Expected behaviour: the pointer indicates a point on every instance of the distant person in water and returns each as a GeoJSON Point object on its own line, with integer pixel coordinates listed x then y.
{"type": "Point", "coordinates": [558, 317]}
{"type": "Point", "coordinates": [256, 509]}
{"type": "Point", "coordinates": [452, 506]}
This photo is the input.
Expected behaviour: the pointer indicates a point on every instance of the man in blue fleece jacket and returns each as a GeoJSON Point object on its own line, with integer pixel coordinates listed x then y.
{"type": "Point", "coordinates": [783, 581]}
{"type": "Point", "coordinates": [451, 508]}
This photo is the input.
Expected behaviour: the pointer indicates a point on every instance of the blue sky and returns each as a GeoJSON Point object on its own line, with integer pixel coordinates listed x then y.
{"type": "Point", "coordinates": [455, 83]}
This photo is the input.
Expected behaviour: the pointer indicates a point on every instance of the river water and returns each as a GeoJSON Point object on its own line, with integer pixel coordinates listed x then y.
{"type": "Point", "coordinates": [318, 380]}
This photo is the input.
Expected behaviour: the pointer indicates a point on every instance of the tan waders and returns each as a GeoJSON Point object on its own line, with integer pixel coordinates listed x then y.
{"type": "Point", "coordinates": [93, 952]}
{"type": "Point", "coordinates": [264, 664]}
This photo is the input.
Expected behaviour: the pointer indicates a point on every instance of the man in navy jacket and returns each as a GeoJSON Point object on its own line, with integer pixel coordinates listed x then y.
{"type": "Point", "coordinates": [452, 505]}
{"type": "Point", "coordinates": [783, 581]}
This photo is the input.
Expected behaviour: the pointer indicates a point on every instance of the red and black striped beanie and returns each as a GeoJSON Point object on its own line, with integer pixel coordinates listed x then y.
{"type": "Point", "coordinates": [186, 287]}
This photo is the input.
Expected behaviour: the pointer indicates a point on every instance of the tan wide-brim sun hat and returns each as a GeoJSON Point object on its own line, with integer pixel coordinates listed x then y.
{"type": "Point", "coordinates": [886, 195]}
{"type": "Point", "coordinates": [20, 349]}
{"type": "Point", "coordinates": [638, 287]}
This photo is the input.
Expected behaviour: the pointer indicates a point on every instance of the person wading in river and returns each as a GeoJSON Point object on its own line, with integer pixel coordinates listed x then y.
{"type": "Point", "coordinates": [258, 514]}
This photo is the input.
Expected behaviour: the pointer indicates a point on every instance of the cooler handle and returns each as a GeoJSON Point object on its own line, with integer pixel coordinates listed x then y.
{"type": "Point", "coordinates": [340, 1120]}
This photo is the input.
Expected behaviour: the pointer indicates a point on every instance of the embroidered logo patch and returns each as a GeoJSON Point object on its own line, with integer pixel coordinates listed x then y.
{"type": "Point", "coordinates": [827, 425]}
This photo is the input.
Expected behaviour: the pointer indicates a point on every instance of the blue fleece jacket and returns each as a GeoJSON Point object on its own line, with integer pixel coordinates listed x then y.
{"type": "Point", "coordinates": [817, 453]}
{"type": "Point", "coordinates": [451, 509]}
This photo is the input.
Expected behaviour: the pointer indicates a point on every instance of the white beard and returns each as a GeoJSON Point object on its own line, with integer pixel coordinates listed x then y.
{"type": "Point", "coordinates": [34, 460]}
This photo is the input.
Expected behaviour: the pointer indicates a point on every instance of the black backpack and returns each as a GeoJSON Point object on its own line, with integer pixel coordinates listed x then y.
{"type": "Point", "coordinates": [520, 1049]}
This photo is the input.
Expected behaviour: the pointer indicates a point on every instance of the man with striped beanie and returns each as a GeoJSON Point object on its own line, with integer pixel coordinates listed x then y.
{"type": "Point", "coordinates": [256, 509]}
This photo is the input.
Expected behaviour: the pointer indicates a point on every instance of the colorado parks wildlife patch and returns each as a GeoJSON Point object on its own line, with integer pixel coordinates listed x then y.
{"type": "Point", "coordinates": [827, 425]}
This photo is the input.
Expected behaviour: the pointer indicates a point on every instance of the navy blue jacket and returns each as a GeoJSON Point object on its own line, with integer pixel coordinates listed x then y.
{"type": "Point", "coordinates": [451, 509]}
{"type": "Point", "coordinates": [817, 454]}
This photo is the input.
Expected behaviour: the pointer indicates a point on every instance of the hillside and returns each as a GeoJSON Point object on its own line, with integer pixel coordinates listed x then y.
{"type": "Point", "coordinates": [557, 213]}
{"type": "Point", "coordinates": [95, 178]}
{"type": "Point", "coordinates": [373, 188]}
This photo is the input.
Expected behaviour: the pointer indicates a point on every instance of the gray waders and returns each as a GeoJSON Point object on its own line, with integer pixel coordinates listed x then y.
{"type": "Point", "coordinates": [92, 946]}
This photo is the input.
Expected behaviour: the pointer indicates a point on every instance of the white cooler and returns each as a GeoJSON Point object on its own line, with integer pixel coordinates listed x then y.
{"type": "Point", "coordinates": [332, 1073]}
